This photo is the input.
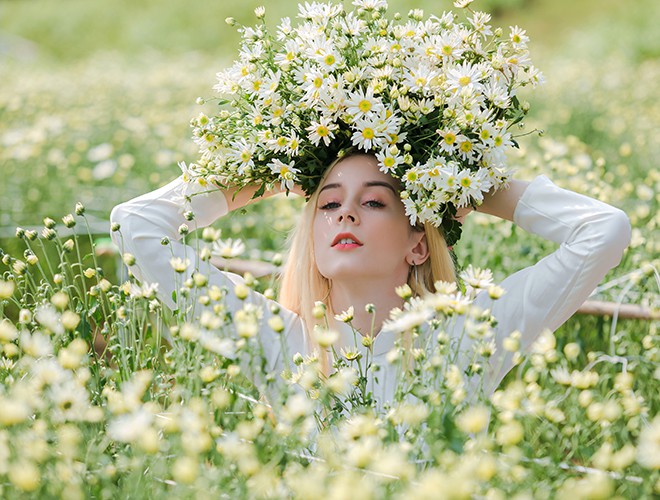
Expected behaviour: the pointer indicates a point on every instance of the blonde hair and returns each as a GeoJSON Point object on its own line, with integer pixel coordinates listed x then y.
{"type": "Point", "coordinates": [301, 283]}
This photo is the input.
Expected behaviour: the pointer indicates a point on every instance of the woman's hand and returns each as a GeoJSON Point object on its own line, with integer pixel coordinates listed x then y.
{"type": "Point", "coordinates": [461, 213]}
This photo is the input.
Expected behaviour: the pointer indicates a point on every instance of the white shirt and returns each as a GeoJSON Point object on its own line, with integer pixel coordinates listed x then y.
{"type": "Point", "coordinates": [591, 237]}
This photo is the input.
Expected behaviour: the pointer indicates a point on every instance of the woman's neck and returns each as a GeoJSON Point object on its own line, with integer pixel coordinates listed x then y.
{"type": "Point", "coordinates": [381, 295]}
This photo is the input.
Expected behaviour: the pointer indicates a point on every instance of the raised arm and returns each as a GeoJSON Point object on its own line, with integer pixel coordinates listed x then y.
{"type": "Point", "coordinates": [592, 237]}
{"type": "Point", "coordinates": [144, 222]}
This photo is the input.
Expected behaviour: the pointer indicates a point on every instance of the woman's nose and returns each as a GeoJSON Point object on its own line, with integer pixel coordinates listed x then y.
{"type": "Point", "coordinates": [347, 214]}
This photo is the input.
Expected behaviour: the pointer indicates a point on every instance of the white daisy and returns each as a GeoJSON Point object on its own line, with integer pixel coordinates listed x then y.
{"type": "Point", "coordinates": [322, 130]}
{"type": "Point", "coordinates": [285, 171]}
{"type": "Point", "coordinates": [229, 248]}
{"type": "Point", "coordinates": [362, 103]}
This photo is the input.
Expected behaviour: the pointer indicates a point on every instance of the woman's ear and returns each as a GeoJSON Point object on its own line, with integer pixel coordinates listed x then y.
{"type": "Point", "coordinates": [419, 253]}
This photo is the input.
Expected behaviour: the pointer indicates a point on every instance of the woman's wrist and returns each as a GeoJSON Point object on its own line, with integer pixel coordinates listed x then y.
{"type": "Point", "coordinates": [502, 203]}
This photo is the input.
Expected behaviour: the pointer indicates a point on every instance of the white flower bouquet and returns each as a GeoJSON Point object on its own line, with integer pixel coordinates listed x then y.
{"type": "Point", "coordinates": [432, 98]}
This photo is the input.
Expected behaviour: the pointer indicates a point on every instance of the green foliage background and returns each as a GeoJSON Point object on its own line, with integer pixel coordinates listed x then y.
{"type": "Point", "coordinates": [124, 75]}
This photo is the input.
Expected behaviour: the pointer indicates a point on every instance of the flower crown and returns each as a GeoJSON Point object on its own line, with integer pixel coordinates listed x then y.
{"type": "Point", "coordinates": [433, 99]}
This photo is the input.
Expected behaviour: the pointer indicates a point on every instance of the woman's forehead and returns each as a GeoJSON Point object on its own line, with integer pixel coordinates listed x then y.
{"type": "Point", "coordinates": [357, 169]}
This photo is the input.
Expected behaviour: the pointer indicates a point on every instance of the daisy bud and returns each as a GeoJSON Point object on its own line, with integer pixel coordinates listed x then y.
{"type": "Point", "coordinates": [269, 293]}
{"type": "Point", "coordinates": [165, 241]}
{"type": "Point", "coordinates": [58, 278]}
{"type": "Point", "coordinates": [69, 221]}
{"type": "Point", "coordinates": [8, 331]}
{"type": "Point", "coordinates": [319, 310]}
{"type": "Point", "coordinates": [189, 215]}
{"type": "Point", "coordinates": [205, 254]}
{"type": "Point", "coordinates": [298, 359]}
{"type": "Point", "coordinates": [48, 233]}
{"type": "Point", "coordinates": [495, 292]}
{"type": "Point", "coordinates": [230, 21]}
{"type": "Point", "coordinates": [24, 316]}
{"type": "Point", "coordinates": [260, 12]}
{"type": "Point", "coordinates": [20, 232]}
{"type": "Point", "coordinates": [80, 209]}
{"type": "Point", "coordinates": [183, 229]}
{"type": "Point", "coordinates": [60, 300]}
{"type": "Point", "coordinates": [276, 323]}
{"type": "Point", "coordinates": [24, 475]}
{"type": "Point", "coordinates": [276, 259]}
{"type": "Point", "coordinates": [200, 280]}
{"type": "Point", "coordinates": [49, 223]}
{"type": "Point", "coordinates": [325, 338]}
{"type": "Point", "coordinates": [404, 291]}
{"type": "Point", "coordinates": [31, 235]}
{"type": "Point", "coordinates": [473, 420]}
{"type": "Point", "coordinates": [32, 259]}
{"type": "Point", "coordinates": [200, 101]}
{"type": "Point", "coordinates": [70, 320]}
{"type": "Point", "coordinates": [6, 289]}
{"type": "Point", "coordinates": [129, 259]}
{"type": "Point", "coordinates": [571, 351]}
{"type": "Point", "coordinates": [105, 285]}
{"type": "Point", "coordinates": [115, 226]}
{"type": "Point", "coordinates": [275, 308]}
{"type": "Point", "coordinates": [185, 470]}
{"type": "Point", "coordinates": [210, 234]}
{"type": "Point", "coordinates": [233, 370]}
{"type": "Point", "coordinates": [370, 308]}
{"type": "Point", "coordinates": [68, 245]}
{"type": "Point", "coordinates": [89, 273]}
{"type": "Point", "coordinates": [241, 290]}
{"type": "Point", "coordinates": [498, 32]}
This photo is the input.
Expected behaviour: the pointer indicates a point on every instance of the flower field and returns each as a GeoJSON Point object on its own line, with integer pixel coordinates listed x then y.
{"type": "Point", "coordinates": [105, 393]}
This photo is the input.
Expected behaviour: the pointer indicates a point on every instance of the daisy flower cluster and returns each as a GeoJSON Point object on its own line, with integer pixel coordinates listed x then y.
{"type": "Point", "coordinates": [432, 98]}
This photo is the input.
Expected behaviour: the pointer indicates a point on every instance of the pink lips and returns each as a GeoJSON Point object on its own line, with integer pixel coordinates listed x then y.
{"type": "Point", "coordinates": [354, 243]}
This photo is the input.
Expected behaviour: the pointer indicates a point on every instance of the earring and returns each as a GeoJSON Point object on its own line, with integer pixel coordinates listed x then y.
{"type": "Point", "coordinates": [416, 277]}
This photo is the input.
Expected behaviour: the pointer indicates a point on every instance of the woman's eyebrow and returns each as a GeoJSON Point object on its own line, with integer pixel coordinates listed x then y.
{"type": "Point", "coordinates": [366, 184]}
{"type": "Point", "coordinates": [330, 186]}
{"type": "Point", "coordinates": [381, 183]}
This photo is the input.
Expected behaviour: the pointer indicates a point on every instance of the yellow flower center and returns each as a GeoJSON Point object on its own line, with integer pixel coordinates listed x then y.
{"type": "Point", "coordinates": [466, 146]}
{"type": "Point", "coordinates": [447, 50]}
{"type": "Point", "coordinates": [498, 140]}
{"type": "Point", "coordinates": [466, 182]}
{"type": "Point", "coordinates": [318, 81]}
{"type": "Point", "coordinates": [322, 130]}
{"type": "Point", "coordinates": [364, 105]}
{"type": "Point", "coordinates": [281, 141]}
{"type": "Point", "coordinates": [450, 138]}
{"type": "Point", "coordinates": [368, 133]}
{"type": "Point", "coordinates": [245, 156]}
{"type": "Point", "coordinates": [464, 80]}
{"type": "Point", "coordinates": [388, 162]}
{"type": "Point", "coordinates": [330, 59]}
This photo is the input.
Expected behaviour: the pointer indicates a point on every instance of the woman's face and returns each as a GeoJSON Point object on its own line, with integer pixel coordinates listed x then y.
{"type": "Point", "coordinates": [361, 230]}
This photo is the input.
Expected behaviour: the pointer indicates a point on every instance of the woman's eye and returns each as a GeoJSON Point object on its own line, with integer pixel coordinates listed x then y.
{"type": "Point", "coordinates": [374, 204]}
{"type": "Point", "coordinates": [330, 205]}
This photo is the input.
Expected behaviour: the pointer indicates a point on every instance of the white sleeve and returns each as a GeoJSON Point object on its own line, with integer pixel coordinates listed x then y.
{"type": "Point", "coordinates": [592, 237]}
{"type": "Point", "coordinates": [147, 219]}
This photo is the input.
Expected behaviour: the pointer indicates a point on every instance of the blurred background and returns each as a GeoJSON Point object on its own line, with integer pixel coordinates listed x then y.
{"type": "Point", "coordinates": [96, 98]}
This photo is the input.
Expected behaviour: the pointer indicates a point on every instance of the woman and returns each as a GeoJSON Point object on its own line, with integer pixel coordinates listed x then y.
{"type": "Point", "coordinates": [354, 245]}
